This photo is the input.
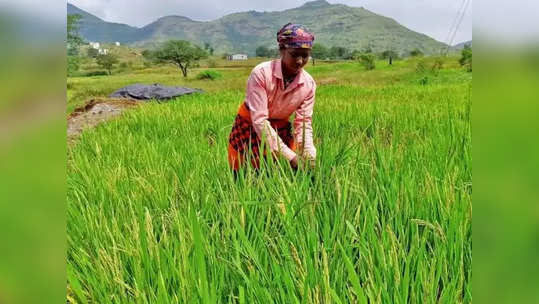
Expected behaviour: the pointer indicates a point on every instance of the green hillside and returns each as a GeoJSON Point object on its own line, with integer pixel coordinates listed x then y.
{"type": "Point", "coordinates": [93, 28]}
{"type": "Point", "coordinates": [333, 25]}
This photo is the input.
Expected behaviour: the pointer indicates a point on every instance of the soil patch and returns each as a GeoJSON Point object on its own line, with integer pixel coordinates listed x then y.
{"type": "Point", "coordinates": [325, 81]}
{"type": "Point", "coordinates": [95, 112]}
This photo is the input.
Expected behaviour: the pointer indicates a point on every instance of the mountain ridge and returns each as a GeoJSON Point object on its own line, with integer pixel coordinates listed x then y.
{"type": "Point", "coordinates": [332, 24]}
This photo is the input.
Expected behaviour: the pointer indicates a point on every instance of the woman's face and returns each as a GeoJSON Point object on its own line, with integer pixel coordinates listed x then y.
{"type": "Point", "coordinates": [294, 59]}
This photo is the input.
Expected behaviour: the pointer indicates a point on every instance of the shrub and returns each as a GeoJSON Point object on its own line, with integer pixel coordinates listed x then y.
{"type": "Point", "coordinates": [421, 67]}
{"type": "Point", "coordinates": [368, 61]}
{"type": "Point", "coordinates": [107, 61]}
{"type": "Point", "coordinates": [92, 53]}
{"type": "Point", "coordinates": [95, 73]}
{"type": "Point", "coordinates": [437, 65]}
{"type": "Point", "coordinates": [147, 63]}
{"type": "Point", "coordinates": [73, 65]}
{"type": "Point", "coordinates": [209, 74]}
{"type": "Point", "coordinates": [212, 63]}
{"type": "Point", "coordinates": [466, 57]}
{"type": "Point", "coordinates": [416, 53]}
{"type": "Point", "coordinates": [263, 51]}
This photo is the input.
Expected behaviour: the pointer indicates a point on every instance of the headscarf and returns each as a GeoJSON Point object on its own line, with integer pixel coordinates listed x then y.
{"type": "Point", "coordinates": [295, 36]}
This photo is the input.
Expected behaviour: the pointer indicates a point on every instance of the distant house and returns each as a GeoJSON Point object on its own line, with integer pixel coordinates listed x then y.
{"type": "Point", "coordinates": [117, 43]}
{"type": "Point", "coordinates": [94, 45]}
{"type": "Point", "coordinates": [103, 51]}
{"type": "Point", "coordinates": [237, 57]}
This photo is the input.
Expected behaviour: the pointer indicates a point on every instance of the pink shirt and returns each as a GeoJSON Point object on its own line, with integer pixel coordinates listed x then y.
{"type": "Point", "coordinates": [267, 99]}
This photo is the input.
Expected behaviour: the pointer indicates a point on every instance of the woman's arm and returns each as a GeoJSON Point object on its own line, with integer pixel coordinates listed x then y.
{"type": "Point", "coordinates": [303, 126]}
{"type": "Point", "coordinates": [257, 101]}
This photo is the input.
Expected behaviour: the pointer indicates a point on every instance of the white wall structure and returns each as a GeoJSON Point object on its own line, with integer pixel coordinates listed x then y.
{"type": "Point", "coordinates": [117, 43]}
{"type": "Point", "coordinates": [237, 57]}
{"type": "Point", "coordinates": [94, 45]}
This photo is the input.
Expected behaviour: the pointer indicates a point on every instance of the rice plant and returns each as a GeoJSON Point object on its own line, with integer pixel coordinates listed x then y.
{"type": "Point", "coordinates": [155, 215]}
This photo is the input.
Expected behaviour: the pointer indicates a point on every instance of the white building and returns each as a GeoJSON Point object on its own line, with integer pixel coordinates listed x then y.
{"type": "Point", "coordinates": [117, 43]}
{"type": "Point", "coordinates": [103, 51]}
{"type": "Point", "coordinates": [237, 57]}
{"type": "Point", "coordinates": [94, 45]}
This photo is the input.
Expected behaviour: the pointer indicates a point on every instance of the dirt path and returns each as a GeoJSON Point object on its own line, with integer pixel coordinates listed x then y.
{"type": "Point", "coordinates": [95, 112]}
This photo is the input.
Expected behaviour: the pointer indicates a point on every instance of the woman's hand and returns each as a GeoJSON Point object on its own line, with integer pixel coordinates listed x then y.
{"type": "Point", "coordinates": [306, 160]}
{"type": "Point", "coordinates": [310, 161]}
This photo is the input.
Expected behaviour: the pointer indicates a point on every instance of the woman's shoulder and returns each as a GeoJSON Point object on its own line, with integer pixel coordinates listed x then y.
{"type": "Point", "coordinates": [308, 78]}
{"type": "Point", "coordinates": [266, 66]}
{"type": "Point", "coordinates": [263, 70]}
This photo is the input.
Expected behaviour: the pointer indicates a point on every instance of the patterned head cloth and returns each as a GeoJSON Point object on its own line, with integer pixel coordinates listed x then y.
{"type": "Point", "coordinates": [295, 36]}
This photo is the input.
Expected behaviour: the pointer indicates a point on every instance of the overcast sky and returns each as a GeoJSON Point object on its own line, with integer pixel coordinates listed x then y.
{"type": "Point", "coordinates": [431, 17]}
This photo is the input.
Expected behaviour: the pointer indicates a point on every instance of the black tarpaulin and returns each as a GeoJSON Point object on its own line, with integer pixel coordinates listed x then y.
{"type": "Point", "coordinates": [152, 91]}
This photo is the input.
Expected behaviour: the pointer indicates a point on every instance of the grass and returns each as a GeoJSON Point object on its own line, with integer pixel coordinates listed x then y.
{"type": "Point", "coordinates": [154, 215]}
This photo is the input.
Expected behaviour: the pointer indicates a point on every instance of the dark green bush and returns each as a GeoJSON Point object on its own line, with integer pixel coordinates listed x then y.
{"type": "Point", "coordinates": [368, 61]}
{"type": "Point", "coordinates": [73, 65]}
{"type": "Point", "coordinates": [95, 73]}
{"type": "Point", "coordinates": [466, 57]}
{"type": "Point", "coordinates": [209, 74]}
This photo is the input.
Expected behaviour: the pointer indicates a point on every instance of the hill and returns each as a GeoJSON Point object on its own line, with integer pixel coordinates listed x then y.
{"type": "Point", "coordinates": [461, 45]}
{"type": "Point", "coordinates": [333, 25]}
{"type": "Point", "coordinates": [93, 28]}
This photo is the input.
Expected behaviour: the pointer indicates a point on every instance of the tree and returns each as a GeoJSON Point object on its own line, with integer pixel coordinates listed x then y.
{"type": "Point", "coordinates": [74, 40]}
{"type": "Point", "coordinates": [338, 52]}
{"type": "Point", "coordinates": [366, 50]}
{"type": "Point", "coordinates": [348, 55]}
{"type": "Point", "coordinates": [274, 52]}
{"type": "Point", "coordinates": [263, 51]}
{"type": "Point", "coordinates": [208, 48]}
{"type": "Point", "coordinates": [319, 51]}
{"type": "Point", "coordinates": [181, 53]}
{"type": "Point", "coordinates": [147, 55]}
{"type": "Point", "coordinates": [390, 55]}
{"type": "Point", "coordinates": [355, 54]}
{"type": "Point", "coordinates": [92, 53]}
{"type": "Point", "coordinates": [416, 53]}
{"type": "Point", "coordinates": [107, 61]}
{"type": "Point", "coordinates": [466, 57]}
{"type": "Point", "coordinates": [73, 64]}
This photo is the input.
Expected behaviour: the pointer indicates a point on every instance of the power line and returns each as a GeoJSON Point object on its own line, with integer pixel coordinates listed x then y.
{"type": "Point", "coordinates": [456, 24]}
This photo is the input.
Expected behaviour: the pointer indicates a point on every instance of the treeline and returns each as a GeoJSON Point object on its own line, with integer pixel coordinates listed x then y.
{"type": "Point", "coordinates": [323, 52]}
{"type": "Point", "coordinates": [106, 60]}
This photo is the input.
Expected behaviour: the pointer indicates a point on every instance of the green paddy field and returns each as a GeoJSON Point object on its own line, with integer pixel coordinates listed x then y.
{"type": "Point", "coordinates": [155, 216]}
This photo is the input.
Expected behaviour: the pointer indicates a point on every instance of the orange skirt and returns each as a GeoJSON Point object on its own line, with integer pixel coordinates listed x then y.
{"type": "Point", "coordinates": [243, 138]}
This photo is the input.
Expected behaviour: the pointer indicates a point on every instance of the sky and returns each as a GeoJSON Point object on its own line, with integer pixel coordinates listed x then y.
{"type": "Point", "coordinates": [431, 17]}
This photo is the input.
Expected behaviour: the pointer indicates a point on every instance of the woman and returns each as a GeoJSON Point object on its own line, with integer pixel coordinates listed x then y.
{"type": "Point", "coordinates": [275, 90]}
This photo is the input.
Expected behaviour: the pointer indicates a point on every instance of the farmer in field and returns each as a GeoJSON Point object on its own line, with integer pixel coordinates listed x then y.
{"type": "Point", "coordinates": [275, 90]}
